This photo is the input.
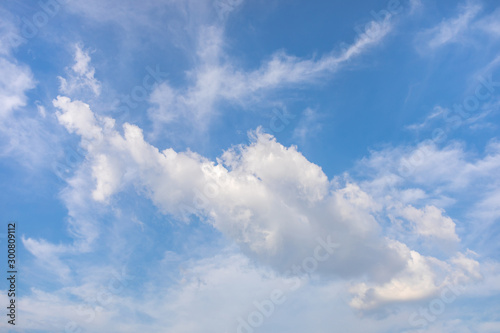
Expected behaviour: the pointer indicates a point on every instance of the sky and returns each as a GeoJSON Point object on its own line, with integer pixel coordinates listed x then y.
{"type": "Point", "coordinates": [251, 166]}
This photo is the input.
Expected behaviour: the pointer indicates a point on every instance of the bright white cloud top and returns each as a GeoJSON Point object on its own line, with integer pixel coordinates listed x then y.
{"type": "Point", "coordinates": [236, 166]}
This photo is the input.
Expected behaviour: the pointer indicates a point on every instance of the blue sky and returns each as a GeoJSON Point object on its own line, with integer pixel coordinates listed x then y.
{"type": "Point", "coordinates": [252, 166]}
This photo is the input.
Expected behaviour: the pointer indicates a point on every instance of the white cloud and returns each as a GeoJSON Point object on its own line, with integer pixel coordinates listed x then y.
{"type": "Point", "coordinates": [489, 327]}
{"type": "Point", "coordinates": [415, 282]}
{"type": "Point", "coordinates": [422, 278]}
{"type": "Point", "coordinates": [48, 255]}
{"type": "Point", "coordinates": [437, 112]}
{"type": "Point", "coordinates": [415, 6]}
{"type": "Point", "coordinates": [451, 30]}
{"type": "Point", "coordinates": [404, 180]}
{"type": "Point", "coordinates": [106, 11]}
{"type": "Point", "coordinates": [308, 126]}
{"type": "Point", "coordinates": [9, 34]}
{"type": "Point", "coordinates": [490, 23]}
{"type": "Point", "coordinates": [222, 291]}
{"type": "Point", "coordinates": [275, 204]}
{"type": "Point", "coordinates": [268, 198]}
{"type": "Point", "coordinates": [429, 221]}
{"type": "Point", "coordinates": [15, 80]}
{"type": "Point", "coordinates": [177, 21]}
{"type": "Point", "coordinates": [224, 7]}
{"type": "Point", "coordinates": [217, 79]}
{"type": "Point", "coordinates": [41, 109]}
{"type": "Point", "coordinates": [77, 118]}
{"type": "Point", "coordinates": [22, 136]}
{"type": "Point", "coordinates": [449, 169]}
{"type": "Point", "coordinates": [487, 209]}
{"type": "Point", "coordinates": [81, 76]}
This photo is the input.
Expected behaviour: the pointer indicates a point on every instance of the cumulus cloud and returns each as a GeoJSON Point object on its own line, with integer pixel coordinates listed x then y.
{"type": "Point", "coordinates": [415, 184]}
{"type": "Point", "coordinates": [270, 200]}
{"type": "Point", "coordinates": [422, 278]}
{"type": "Point", "coordinates": [77, 118]}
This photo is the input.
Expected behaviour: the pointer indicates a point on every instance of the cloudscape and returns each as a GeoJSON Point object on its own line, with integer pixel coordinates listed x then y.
{"type": "Point", "coordinates": [250, 166]}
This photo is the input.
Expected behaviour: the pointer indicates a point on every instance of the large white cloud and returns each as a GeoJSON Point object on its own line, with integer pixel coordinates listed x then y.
{"type": "Point", "coordinates": [271, 201]}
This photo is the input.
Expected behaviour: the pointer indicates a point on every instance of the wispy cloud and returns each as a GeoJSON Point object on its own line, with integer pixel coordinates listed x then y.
{"type": "Point", "coordinates": [309, 125]}
{"type": "Point", "coordinates": [15, 81]}
{"type": "Point", "coordinates": [450, 30]}
{"type": "Point", "coordinates": [437, 113]}
{"type": "Point", "coordinates": [81, 75]}
{"type": "Point", "coordinates": [490, 23]}
{"type": "Point", "coordinates": [217, 79]}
